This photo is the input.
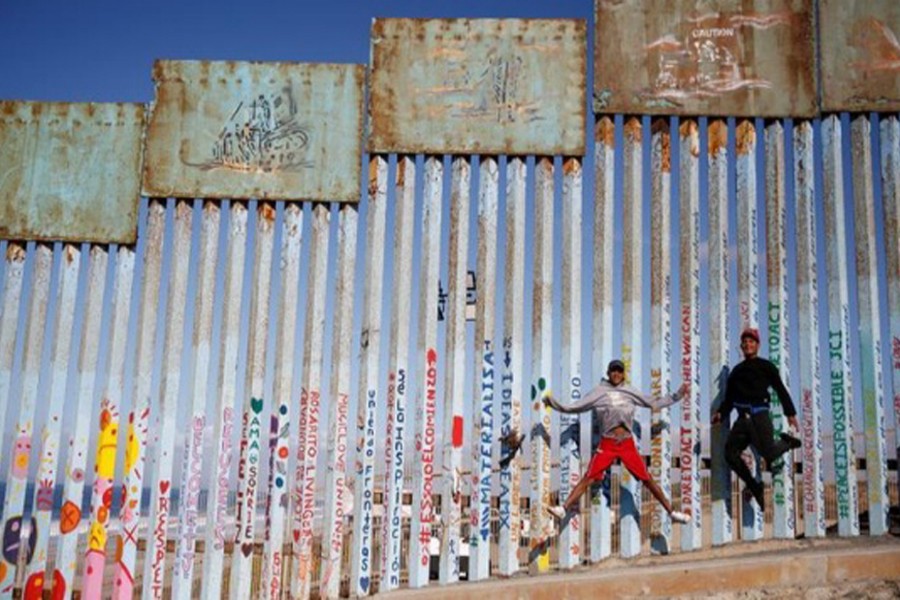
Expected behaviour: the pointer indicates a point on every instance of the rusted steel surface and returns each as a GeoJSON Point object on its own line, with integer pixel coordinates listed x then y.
{"type": "Point", "coordinates": [860, 55]}
{"type": "Point", "coordinates": [70, 171]}
{"type": "Point", "coordinates": [487, 86]}
{"type": "Point", "coordinates": [680, 59]}
{"type": "Point", "coordinates": [287, 131]}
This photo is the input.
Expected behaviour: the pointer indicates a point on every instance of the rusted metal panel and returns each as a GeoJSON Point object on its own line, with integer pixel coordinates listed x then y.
{"type": "Point", "coordinates": [860, 56]}
{"type": "Point", "coordinates": [287, 131]}
{"type": "Point", "coordinates": [682, 58]}
{"type": "Point", "coordinates": [486, 86]}
{"type": "Point", "coordinates": [70, 171]}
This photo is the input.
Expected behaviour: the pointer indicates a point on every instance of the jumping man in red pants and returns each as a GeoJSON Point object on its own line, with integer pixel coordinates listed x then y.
{"type": "Point", "coordinates": [613, 402]}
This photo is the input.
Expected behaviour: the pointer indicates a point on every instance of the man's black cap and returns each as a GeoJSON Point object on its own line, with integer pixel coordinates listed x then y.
{"type": "Point", "coordinates": [615, 365]}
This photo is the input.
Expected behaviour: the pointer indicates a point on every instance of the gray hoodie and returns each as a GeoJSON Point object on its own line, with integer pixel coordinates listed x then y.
{"type": "Point", "coordinates": [614, 406]}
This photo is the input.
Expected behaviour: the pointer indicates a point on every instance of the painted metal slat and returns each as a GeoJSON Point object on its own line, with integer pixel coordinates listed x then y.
{"type": "Point", "coordinates": [426, 417]}
{"type": "Point", "coordinates": [719, 338]}
{"type": "Point", "coordinates": [808, 301]}
{"type": "Point", "coordinates": [9, 318]}
{"type": "Point", "coordinates": [542, 363]}
{"type": "Point", "coordinates": [398, 375]}
{"type": "Point", "coordinates": [339, 417]}
{"type": "Point", "coordinates": [161, 515]}
{"type": "Point", "coordinates": [17, 479]}
{"type": "Point", "coordinates": [310, 400]}
{"type": "Point", "coordinates": [570, 543]}
{"type": "Point", "coordinates": [369, 367]}
{"type": "Point", "coordinates": [70, 512]}
{"type": "Point", "coordinates": [689, 220]}
{"type": "Point", "coordinates": [890, 198]}
{"type": "Point", "coordinates": [871, 372]}
{"type": "Point", "coordinates": [454, 387]}
{"type": "Point", "coordinates": [661, 325]}
{"type": "Point", "coordinates": [602, 306]}
{"type": "Point", "coordinates": [748, 278]}
{"type": "Point", "coordinates": [223, 427]}
{"type": "Point", "coordinates": [839, 347]}
{"type": "Point", "coordinates": [254, 405]}
{"type": "Point", "coordinates": [45, 478]}
{"type": "Point", "coordinates": [513, 387]}
{"type": "Point", "coordinates": [485, 380]}
{"type": "Point", "coordinates": [632, 321]}
{"type": "Point", "coordinates": [139, 419]}
{"type": "Point", "coordinates": [192, 462]}
{"type": "Point", "coordinates": [779, 331]}
{"type": "Point", "coordinates": [108, 427]}
{"type": "Point", "coordinates": [270, 583]}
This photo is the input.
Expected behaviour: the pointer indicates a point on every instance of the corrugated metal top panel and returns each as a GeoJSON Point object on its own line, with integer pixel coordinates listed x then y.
{"type": "Point", "coordinates": [485, 86]}
{"type": "Point", "coordinates": [287, 131]}
{"type": "Point", "coordinates": [860, 55]}
{"type": "Point", "coordinates": [70, 171]}
{"type": "Point", "coordinates": [687, 57]}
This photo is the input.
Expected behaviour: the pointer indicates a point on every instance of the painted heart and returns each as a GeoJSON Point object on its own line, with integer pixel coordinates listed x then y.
{"type": "Point", "coordinates": [256, 404]}
{"type": "Point", "coordinates": [246, 549]}
{"type": "Point", "coordinates": [35, 587]}
{"type": "Point", "coordinates": [59, 586]}
{"type": "Point", "coordinates": [364, 584]}
{"type": "Point", "coordinates": [164, 486]}
{"type": "Point", "coordinates": [69, 516]}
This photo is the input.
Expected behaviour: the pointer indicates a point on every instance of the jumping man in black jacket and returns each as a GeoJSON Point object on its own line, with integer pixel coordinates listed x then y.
{"type": "Point", "coordinates": [747, 391]}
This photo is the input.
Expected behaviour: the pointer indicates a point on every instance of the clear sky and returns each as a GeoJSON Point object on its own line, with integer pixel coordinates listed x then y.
{"type": "Point", "coordinates": [103, 50]}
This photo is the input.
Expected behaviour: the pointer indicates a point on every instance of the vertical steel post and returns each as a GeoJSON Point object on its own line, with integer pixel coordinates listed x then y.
{"type": "Point", "coordinates": [513, 383]}
{"type": "Point", "coordinates": [484, 369]}
{"type": "Point", "coordinates": [871, 374]}
{"type": "Point", "coordinates": [361, 556]}
{"type": "Point", "coordinates": [339, 409]}
{"type": "Point", "coordinates": [454, 387]}
{"type": "Point", "coordinates": [602, 321]}
{"type": "Point", "coordinates": [719, 310]}
{"type": "Point", "coordinates": [689, 449]}
{"type": "Point", "coordinates": [839, 347]}
{"type": "Point", "coordinates": [9, 320]}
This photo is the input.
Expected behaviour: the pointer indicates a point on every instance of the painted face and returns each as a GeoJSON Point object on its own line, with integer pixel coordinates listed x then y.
{"type": "Point", "coordinates": [21, 455]}
{"type": "Point", "coordinates": [12, 540]}
{"type": "Point", "coordinates": [106, 445]}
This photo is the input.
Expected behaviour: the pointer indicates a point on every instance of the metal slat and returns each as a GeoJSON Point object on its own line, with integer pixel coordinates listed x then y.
{"type": "Point", "coordinates": [454, 386]}
{"type": "Point", "coordinates": [9, 317]}
{"type": "Point", "coordinates": [161, 515]}
{"type": "Point", "coordinates": [513, 386]}
{"type": "Point", "coordinates": [542, 366]}
{"type": "Point", "coordinates": [398, 375]}
{"type": "Point", "coordinates": [570, 543]}
{"type": "Point", "coordinates": [808, 301]}
{"type": "Point", "coordinates": [485, 380]}
{"type": "Point", "coordinates": [868, 298]}
{"type": "Point", "coordinates": [223, 426]}
{"type": "Point", "coordinates": [369, 361]}
{"type": "Point", "coordinates": [839, 347]}
{"type": "Point", "coordinates": [339, 417]}
{"type": "Point", "coordinates": [426, 417]}
{"type": "Point", "coordinates": [689, 220]}
{"type": "Point", "coordinates": [253, 417]}
{"type": "Point", "coordinates": [632, 321]}
{"type": "Point", "coordinates": [719, 339]}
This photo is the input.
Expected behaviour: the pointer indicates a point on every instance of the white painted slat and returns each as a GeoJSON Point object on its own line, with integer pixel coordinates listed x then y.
{"type": "Point", "coordinates": [361, 556]}
{"type": "Point", "coordinates": [192, 460]}
{"type": "Point", "coordinates": [426, 416]}
{"type": "Point", "coordinates": [9, 319]}
{"type": "Point", "coordinates": [604, 203]}
{"type": "Point", "coordinates": [339, 418]}
{"type": "Point", "coordinates": [719, 295]}
{"type": "Point", "coordinates": [310, 400]}
{"type": "Point", "coordinates": [398, 374]}
{"type": "Point", "coordinates": [217, 531]}
{"type": "Point", "coordinates": [808, 303]}
{"type": "Point", "coordinates": [271, 583]}
{"type": "Point", "coordinates": [70, 517]}
{"type": "Point", "coordinates": [166, 421]}
{"type": "Point", "coordinates": [840, 350]}
{"type": "Point", "coordinates": [570, 542]}
{"type": "Point", "coordinates": [454, 387]}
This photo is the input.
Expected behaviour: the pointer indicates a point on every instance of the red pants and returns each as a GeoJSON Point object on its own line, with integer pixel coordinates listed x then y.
{"type": "Point", "coordinates": [609, 450]}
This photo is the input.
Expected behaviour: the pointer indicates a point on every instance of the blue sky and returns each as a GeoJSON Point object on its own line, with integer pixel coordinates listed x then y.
{"type": "Point", "coordinates": [103, 51]}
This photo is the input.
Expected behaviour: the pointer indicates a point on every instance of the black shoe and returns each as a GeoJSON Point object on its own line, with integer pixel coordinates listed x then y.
{"type": "Point", "coordinates": [792, 441]}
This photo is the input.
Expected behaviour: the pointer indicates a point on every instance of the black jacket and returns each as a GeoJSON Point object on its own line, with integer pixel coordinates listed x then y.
{"type": "Point", "coordinates": [749, 383]}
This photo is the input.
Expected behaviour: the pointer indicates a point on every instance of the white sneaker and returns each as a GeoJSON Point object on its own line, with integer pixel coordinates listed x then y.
{"type": "Point", "coordinates": [558, 512]}
{"type": "Point", "coordinates": [680, 517]}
